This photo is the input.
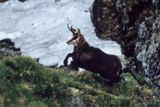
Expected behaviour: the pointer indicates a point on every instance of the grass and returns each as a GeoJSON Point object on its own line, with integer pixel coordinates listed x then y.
{"type": "Point", "coordinates": [25, 83]}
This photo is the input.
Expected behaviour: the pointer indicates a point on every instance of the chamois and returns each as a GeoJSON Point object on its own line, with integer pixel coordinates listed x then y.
{"type": "Point", "coordinates": [93, 59]}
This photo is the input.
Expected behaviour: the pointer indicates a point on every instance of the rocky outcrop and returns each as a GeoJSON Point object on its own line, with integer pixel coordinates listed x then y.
{"type": "Point", "coordinates": [147, 50]}
{"type": "Point", "coordinates": [7, 48]}
{"type": "Point", "coordinates": [1, 1]}
{"type": "Point", "coordinates": [135, 25]}
{"type": "Point", "coordinates": [22, 0]}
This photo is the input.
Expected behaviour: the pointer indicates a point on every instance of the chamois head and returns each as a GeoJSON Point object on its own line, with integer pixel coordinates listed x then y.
{"type": "Point", "coordinates": [77, 37]}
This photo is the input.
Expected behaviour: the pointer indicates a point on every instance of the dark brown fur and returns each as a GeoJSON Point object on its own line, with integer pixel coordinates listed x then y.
{"type": "Point", "coordinates": [95, 60]}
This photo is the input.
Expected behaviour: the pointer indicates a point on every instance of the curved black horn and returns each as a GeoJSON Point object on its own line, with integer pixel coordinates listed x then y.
{"type": "Point", "coordinates": [68, 27]}
{"type": "Point", "coordinates": [71, 29]}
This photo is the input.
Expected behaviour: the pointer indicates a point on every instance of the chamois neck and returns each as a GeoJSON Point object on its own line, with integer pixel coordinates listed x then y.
{"type": "Point", "coordinates": [83, 45]}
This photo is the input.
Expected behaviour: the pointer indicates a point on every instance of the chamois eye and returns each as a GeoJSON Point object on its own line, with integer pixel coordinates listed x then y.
{"type": "Point", "coordinates": [75, 37]}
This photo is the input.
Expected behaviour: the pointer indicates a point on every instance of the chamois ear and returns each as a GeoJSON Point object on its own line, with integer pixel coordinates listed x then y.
{"type": "Point", "coordinates": [79, 32]}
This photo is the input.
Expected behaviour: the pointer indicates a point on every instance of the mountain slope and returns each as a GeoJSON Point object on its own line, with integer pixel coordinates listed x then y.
{"type": "Point", "coordinates": [26, 83]}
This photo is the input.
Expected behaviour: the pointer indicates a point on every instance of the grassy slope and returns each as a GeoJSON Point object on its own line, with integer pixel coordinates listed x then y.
{"type": "Point", "coordinates": [23, 82]}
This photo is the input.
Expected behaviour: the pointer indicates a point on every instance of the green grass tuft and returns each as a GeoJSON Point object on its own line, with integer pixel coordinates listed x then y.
{"type": "Point", "coordinates": [25, 83]}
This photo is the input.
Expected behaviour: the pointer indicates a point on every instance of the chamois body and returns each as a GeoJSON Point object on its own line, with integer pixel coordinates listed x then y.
{"type": "Point", "coordinates": [95, 60]}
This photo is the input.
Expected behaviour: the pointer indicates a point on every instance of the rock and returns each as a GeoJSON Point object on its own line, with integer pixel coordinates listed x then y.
{"type": "Point", "coordinates": [147, 50]}
{"type": "Point", "coordinates": [1, 1]}
{"type": "Point", "coordinates": [135, 25]}
{"type": "Point", "coordinates": [7, 48]}
{"type": "Point", "coordinates": [105, 19]}
{"type": "Point", "coordinates": [73, 97]}
{"type": "Point", "coordinates": [22, 0]}
{"type": "Point", "coordinates": [7, 41]}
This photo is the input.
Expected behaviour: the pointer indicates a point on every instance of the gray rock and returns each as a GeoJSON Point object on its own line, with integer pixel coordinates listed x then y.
{"type": "Point", "coordinates": [7, 48]}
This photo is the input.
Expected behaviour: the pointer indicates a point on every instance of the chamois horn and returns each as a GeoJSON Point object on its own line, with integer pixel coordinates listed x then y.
{"type": "Point", "coordinates": [71, 29]}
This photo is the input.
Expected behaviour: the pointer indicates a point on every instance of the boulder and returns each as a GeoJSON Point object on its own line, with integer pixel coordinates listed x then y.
{"type": "Point", "coordinates": [7, 48]}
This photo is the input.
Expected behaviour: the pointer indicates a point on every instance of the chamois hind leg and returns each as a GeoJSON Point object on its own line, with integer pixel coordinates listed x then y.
{"type": "Point", "coordinates": [116, 79]}
{"type": "Point", "coordinates": [111, 80]}
{"type": "Point", "coordinates": [107, 79]}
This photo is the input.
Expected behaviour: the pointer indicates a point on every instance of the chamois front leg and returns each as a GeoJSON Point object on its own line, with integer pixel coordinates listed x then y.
{"type": "Point", "coordinates": [73, 66]}
{"type": "Point", "coordinates": [65, 62]}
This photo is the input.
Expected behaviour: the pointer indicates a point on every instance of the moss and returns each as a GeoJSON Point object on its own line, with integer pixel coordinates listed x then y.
{"type": "Point", "coordinates": [36, 104]}
{"type": "Point", "coordinates": [25, 82]}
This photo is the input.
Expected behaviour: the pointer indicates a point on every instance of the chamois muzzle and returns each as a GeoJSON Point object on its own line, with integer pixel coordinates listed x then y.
{"type": "Point", "coordinates": [69, 42]}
